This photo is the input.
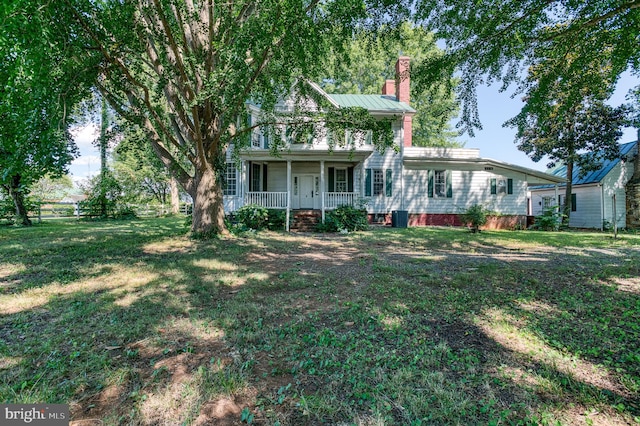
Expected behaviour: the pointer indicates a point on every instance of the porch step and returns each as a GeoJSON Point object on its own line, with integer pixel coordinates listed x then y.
{"type": "Point", "coordinates": [305, 220]}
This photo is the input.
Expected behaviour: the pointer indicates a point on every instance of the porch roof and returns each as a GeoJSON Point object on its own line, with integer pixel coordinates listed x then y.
{"type": "Point", "coordinates": [534, 177]}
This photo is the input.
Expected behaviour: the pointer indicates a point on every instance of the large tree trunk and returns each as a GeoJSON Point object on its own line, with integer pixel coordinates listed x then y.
{"type": "Point", "coordinates": [175, 196]}
{"type": "Point", "coordinates": [567, 194]}
{"type": "Point", "coordinates": [208, 205]}
{"type": "Point", "coordinates": [17, 195]}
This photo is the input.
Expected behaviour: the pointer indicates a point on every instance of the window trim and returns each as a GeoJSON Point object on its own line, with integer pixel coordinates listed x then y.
{"type": "Point", "coordinates": [230, 180]}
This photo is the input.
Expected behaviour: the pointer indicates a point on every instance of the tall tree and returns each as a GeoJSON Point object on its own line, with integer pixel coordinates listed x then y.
{"type": "Point", "coordinates": [571, 124]}
{"type": "Point", "coordinates": [37, 92]}
{"type": "Point", "coordinates": [139, 171]}
{"type": "Point", "coordinates": [183, 70]}
{"type": "Point", "coordinates": [370, 61]}
{"type": "Point", "coordinates": [497, 40]}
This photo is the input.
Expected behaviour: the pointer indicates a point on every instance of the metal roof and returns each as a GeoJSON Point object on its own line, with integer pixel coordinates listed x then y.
{"type": "Point", "coordinates": [379, 103]}
{"type": "Point", "coordinates": [597, 175]}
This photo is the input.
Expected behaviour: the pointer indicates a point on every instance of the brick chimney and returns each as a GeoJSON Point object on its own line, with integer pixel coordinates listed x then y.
{"type": "Point", "coordinates": [403, 94]}
{"type": "Point", "coordinates": [402, 80]}
{"type": "Point", "coordinates": [389, 87]}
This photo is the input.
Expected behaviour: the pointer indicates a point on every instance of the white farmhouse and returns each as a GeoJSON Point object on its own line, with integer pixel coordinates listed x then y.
{"type": "Point", "coordinates": [410, 186]}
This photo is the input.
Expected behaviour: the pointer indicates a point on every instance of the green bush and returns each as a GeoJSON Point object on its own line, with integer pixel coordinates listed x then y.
{"type": "Point", "coordinates": [252, 216]}
{"type": "Point", "coordinates": [105, 199]}
{"type": "Point", "coordinates": [277, 219]}
{"type": "Point", "coordinates": [344, 219]}
{"type": "Point", "coordinates": [474, 217]}
{"type": "Point", "coordinates": [549, 220]}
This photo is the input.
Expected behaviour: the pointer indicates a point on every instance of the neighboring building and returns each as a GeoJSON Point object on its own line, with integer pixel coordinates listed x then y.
{"type": "Point", "coordinates": [599, 198]}
{"type": "Point", "coordinates": [428, 185]}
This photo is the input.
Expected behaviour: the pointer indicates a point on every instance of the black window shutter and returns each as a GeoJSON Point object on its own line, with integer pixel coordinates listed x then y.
{"type": "Point", "coordinates": [430, 184]}
{"type": "Point", "coordinates": [494, 186]}
{"type": "Point", "coordinates": [509, 186]}
{"type": "Point", "coordinates": [350, 179]}
{"type": "Point", "coordinates": [264, 177]}
{"type": "Point", "coordinates": [332, 179]}
{"type": "Point", "coordinates": [449, 184]}
{"type": "Point", "coordinates": [367, 183]}
{"type": "Point", "coordinates": [573, 202]}
{"type": "Point", "coordinates": [388, 181]}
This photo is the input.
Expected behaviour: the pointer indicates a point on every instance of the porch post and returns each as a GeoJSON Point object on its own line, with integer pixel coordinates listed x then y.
{"type": "Point", "coordinates": [322, 188]}
{"type": "Point", "coordinates": [557, 203]}
{"type": "Point", "coordinates": [288, 194]}
{"type": "Point", "coordinates": [245, 181]}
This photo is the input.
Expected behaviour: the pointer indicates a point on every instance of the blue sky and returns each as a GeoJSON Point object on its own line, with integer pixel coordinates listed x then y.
{"type": "Point", "coordinates": [494, 141]}
{"type": "Point", "coordinates": [497, 142]}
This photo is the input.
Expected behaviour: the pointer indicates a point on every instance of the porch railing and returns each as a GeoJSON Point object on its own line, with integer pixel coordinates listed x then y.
{"type": "Point", "coordinates": [336, 199]}
{"type": "Point", "coordinates": [270, 200]}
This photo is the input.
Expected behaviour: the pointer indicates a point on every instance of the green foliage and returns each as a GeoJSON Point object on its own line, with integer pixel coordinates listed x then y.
{"type": "Point", "coordinates": [277, 219]}
{"type": "Point", "coordinates": [370, 60]}
{"type": "Point", "coordinates": [344, 219]}
{"type": "Point", "coordinates": [394, 318]}
{"type": "Point", "coordinates": [252, 216]}
{"type": "Point", "coordinates": [551, 219]}
{"type": "Point", "coordinates": [494, 41]}
{"type": "Point", "coordinates": [105, 199]}
{"type": "Point", "coordinates": [184, 71]}
{"type": "Point", "coordinates": [40, 85]}
{"type": "Point", "coordinates": [475, 216]}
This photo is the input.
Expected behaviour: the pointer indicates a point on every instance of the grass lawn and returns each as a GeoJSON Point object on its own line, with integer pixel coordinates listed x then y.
{"type": "Point", "coordinates": [134, 323]}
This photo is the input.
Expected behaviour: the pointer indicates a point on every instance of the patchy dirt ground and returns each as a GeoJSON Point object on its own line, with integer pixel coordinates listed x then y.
{"type": "Point", "coordinates": [282, 279]}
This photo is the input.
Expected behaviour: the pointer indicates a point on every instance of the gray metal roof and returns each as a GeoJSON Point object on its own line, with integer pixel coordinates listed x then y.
{"type": "Point", "coordinates": [381, 103]}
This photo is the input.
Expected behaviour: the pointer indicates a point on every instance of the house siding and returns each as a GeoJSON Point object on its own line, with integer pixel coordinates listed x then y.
{"type": "Point", "coordinates": [468, 188]}
{"type": "Point", "coordinates": [588, 212]}
{"type": "Point", "coordinates": [614, 183]}
{"type": "Point", "coordinates": [592, 199]}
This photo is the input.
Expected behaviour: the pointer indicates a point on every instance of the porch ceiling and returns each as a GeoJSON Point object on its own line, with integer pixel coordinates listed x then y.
{"type": "Point", "coordinates": [315, 155]}
{"type": "Point", "coordinates": [534, 177]}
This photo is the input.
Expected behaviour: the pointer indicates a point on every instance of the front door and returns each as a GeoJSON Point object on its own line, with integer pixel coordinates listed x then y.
{"type": "Point", "coordinates": [306, 192]}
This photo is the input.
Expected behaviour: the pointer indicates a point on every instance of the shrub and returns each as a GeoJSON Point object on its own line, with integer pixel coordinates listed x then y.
{"type": "Point", "coordinates": [474, 217]}
{"type": "Point", "coordinates": [276, 219]}
{"type": "Point", "coordinates": [105, 199]}
{"type": "Point", "coordinates": [549, 220]}
{"type": "Point", "coordinates": [344, 219]}
{"type": "Point", "coordinates": [252, 216]}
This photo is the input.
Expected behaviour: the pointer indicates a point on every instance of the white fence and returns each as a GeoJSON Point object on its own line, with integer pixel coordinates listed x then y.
{"type": "Point", "coordinates": [46, 210]}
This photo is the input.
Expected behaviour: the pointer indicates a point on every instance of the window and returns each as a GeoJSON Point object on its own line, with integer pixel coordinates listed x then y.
{"type": "Point", "coordinates": [378, 182]}
{"type": "Point", "coordinates": [369, 138]}
{"type": "Point", "coordinates": [230, 180]}
{"type": "Point", "coordinates": [561, 199]}
{"type": "Point", "coordinates": [501, 186]}
{"type": "Point", "coordinates": [440, 184]}
{"type": "Point", "coordinates": [341, 180]}
{"type": "Point", "coordinates": [256, 174]}
{"type": "Point", "coordinates": [547, 202]}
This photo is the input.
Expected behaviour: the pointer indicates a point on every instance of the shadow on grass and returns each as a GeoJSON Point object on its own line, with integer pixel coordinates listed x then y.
{"type": "Point", "coordinates": [134, 323]}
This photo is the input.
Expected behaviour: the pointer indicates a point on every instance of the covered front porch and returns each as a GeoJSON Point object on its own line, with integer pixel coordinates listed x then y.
{"type": "Point", "coordinates": [298, 183]}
